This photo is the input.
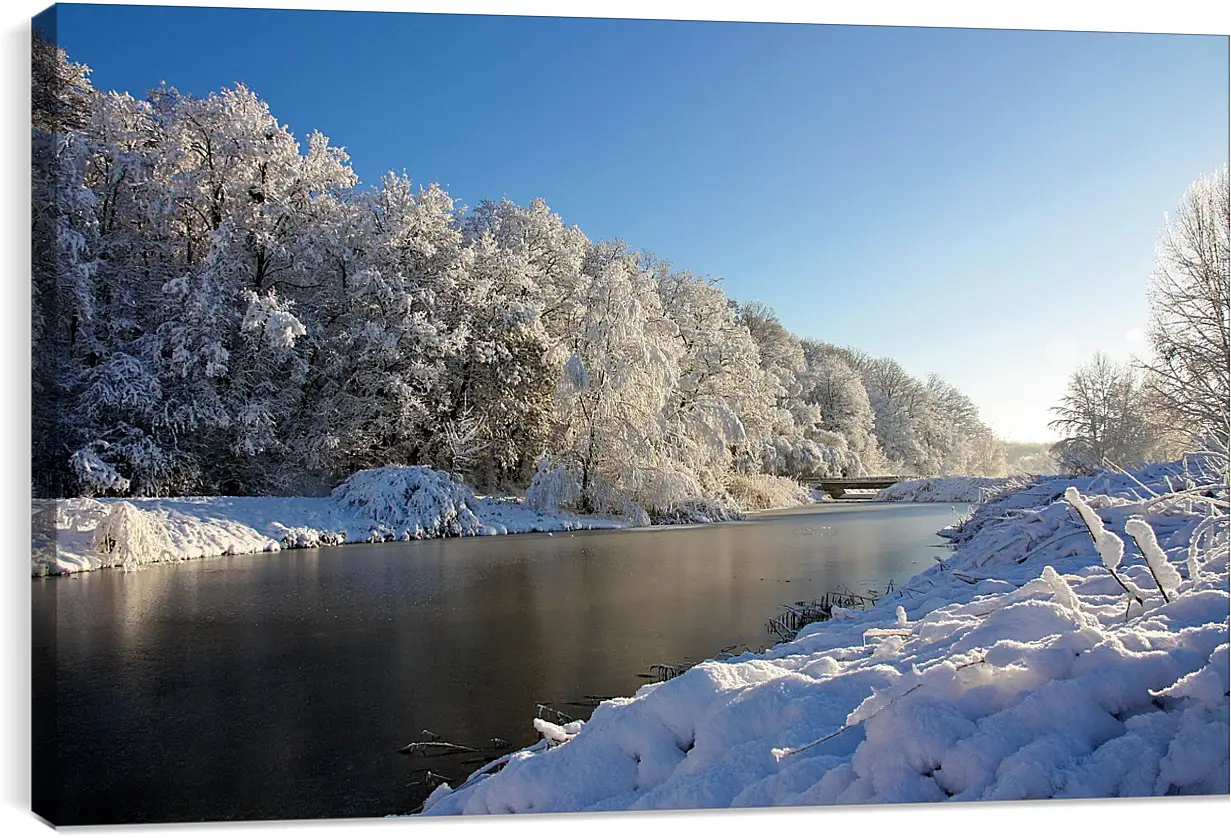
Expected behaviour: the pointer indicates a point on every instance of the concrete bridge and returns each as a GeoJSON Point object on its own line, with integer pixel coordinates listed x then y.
{"type": "Point", "coordinates": [836, 487]}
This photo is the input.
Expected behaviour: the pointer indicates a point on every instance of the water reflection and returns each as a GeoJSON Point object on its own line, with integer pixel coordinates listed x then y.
{"type": "Point", "coordinates": [281, 685]}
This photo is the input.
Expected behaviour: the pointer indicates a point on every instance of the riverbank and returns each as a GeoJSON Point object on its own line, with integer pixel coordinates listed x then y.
{"type": "Point", "coordinates": [388, 507]}
{"type": "Point", "coordinates": [950, 489]}
{"type": "Point", "coordinates": [392, 503]}
{"type": "Point", "coordinates": [1028, 664]}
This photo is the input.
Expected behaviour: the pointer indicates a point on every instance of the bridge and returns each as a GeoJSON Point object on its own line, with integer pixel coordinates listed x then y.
{"type": "Point", "coordinates": [836, 487]}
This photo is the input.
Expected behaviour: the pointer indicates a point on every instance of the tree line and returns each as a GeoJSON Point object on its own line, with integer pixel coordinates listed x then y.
{"type": "Point", "coordinates": [218, 310]}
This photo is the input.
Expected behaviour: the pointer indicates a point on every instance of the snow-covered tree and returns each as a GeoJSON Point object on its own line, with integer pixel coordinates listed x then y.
{"type": "Point", "coordinates": [613, 388]}
{"type": "Point", "coordinates": [1190, 331]}
{"type": "Point", "coordinates": [397, 330]}
{"type": "Point", "coordinates": [781, 356]}
{"type": "Point", "coordinates": [525, 293]}
{"type": "Point", "coordinates": [898, 402]}
{"type": "Point", "coordinates": [722, 410]}
{"type": "Point", "coordinates": [61, 96]}
{"type": "Point", "coordinates": [833, 385]}
{"type": "Point", "coordinates": [959, 439]}
{"type": "Point", "coordinates": [1105, 418]}
{"type": "Point", "coordinates": [64, 250]}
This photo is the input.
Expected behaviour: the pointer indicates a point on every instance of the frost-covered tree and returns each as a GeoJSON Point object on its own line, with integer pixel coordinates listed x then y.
{"type": "Point", "coordinates": [721, 411]}
{"type": "Point", "coordinates": [525, 295]}
{"type": "Point", "coordinates": [61, 96]}
{"type": "Point", "coordinates": [64, 250]}
{"type": "Point", "coordinates": [396, 332]}
{"type": "Point", "coordinates": [1029, 458]}
{"type": "Point", "coordinates": [960, 441]}
{"type": "Point", "coordinates": [613, 389]}
{"type": "Point", "coordinates": [1190, 331]}
{"type": "Point", "coordinates": [898, 402]}
{"type": "Point", "coordinates": [833, 385]}
{"type": "Point", "coordinates": [781, 356]}
{"type": "Point", "coordinates": [554, 254]}
{"type": "Point", "coordinates": [1105, 418]}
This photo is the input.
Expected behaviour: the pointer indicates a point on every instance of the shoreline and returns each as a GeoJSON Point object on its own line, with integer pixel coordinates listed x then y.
{"type": "Point", "coordinates": [200, 527]}
{"type": "Point", "coordinates": [211, 527]}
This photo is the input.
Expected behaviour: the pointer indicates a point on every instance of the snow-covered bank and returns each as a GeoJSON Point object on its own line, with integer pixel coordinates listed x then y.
{"type": "Point", "coordinates": [1018, 668]}
{"type": "Point", "coordinates": [949, 489]}
{"type": "Point", "coordinates": [385, 504]}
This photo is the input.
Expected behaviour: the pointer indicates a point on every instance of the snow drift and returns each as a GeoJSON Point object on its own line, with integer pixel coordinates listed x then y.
{"type": "Point", "coordinates": [1017, 668]}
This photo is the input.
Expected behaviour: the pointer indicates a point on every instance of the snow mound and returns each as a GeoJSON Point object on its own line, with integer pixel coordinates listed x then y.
{"type": "Point", "coordinates": [1019, 668]}
{"type": "Point", "coordinates": [415, 499]}
{"type": "Point", "coordinates": [950, 489]}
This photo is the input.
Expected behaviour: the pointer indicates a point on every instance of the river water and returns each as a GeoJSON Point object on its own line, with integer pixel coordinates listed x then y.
{"type": "Point", "coordinates": [282, 685]}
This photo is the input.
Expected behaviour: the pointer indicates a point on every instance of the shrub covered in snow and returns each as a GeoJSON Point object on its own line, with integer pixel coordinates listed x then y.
{"type": "Point", "coordinates": [414, 498]}
{"type": "Point", "coordinates": [765, 491]}
{"type": "Point", "coordinates": [640, 497]}
{"type": "Point", "coordinates": [553, 488]}
{"type": "Point", "coordinates": [307, 537]}
{"type": "Point", "coordinates": [698, 511]}
{"type": "Point", "coordinates": [131, 536]}
{"type": "Point", "coordinates": [636, 516]}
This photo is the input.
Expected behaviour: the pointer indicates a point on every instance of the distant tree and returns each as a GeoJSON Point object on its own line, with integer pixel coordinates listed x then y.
{"type": "Point", "coordinates": [1105, 418]}
{"type": "Point", "coordinates": [1029, 458]}
{"type": "Point", "coordinates": [900, 403]}
{"type": "Point", "coordinates": [1189, 293]}
{"type": "Point", "coordinates": [962, 442]}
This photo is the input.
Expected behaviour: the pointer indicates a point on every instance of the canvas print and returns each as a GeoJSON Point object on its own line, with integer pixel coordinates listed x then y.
{"type": "Point", "coordinates": [444, 414]}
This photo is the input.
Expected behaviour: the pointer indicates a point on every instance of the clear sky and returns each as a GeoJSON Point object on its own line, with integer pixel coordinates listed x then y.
{"type": "Point", "coordinates": [980, 204]}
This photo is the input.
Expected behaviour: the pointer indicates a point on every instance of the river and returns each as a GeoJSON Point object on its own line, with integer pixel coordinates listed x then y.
{"type": "Point", "coordinates": [279, 686]}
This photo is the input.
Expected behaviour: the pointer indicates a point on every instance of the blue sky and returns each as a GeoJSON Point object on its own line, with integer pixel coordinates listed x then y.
{"type": "Point", "coordinates": [981, 204]}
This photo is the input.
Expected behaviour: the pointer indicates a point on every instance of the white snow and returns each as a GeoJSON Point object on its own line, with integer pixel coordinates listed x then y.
{"type": "Point", "coordinates": [387, 504]}
{"type": "Point", "coordinates": [1011, 671]}
{"type": "Point", "coordinates": [948, 489]}
{"type": "Point", "coordinates": [1165, 575]}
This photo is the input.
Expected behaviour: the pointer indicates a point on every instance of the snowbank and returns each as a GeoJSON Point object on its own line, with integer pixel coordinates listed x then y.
{"type": "Point", "coordinates": [386, 504]}
{"type": "Point", "coordinates": [1018, 668]}
{"type": "Point", "coordinates": [950, 489]}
